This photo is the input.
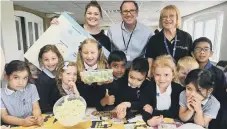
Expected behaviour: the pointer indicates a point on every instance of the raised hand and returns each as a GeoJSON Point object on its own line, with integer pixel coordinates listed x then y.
{"type": "Point", "coordinates": [148, 108]}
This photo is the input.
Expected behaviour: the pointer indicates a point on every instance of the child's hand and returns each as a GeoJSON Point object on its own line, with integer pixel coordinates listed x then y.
{"type": "Point", "coordinates": [121, 111]}
{"type": "Point", "coordinates": [148, 108]}
{"type": "Point", "coordinates": [39, 120]}
{"type": "Point", "coordinates": [29, 121]}
{"type": "Point", "coordinates": [189, 103]}
{"type": "Point", "coordinates": [105, 82]}
{"type": "Point", "coordinates": [156, 120]}
{"type": "Point", "coordinates": [197, 104]}
{"type": "Point", "coordinates": [72, 86]}
{"type": "Point", "coordinates": [54, 21]}
{"type": "Point", "coordinates": [109, 99]}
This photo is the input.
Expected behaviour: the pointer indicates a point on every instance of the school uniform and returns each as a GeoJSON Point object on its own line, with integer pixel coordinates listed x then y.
{"type": "Point", "coordinates": [219, 93]}
{"type": "Point", "coordinates": [132, 95]}
{"type": "Point", "coordinates": [210, 106]}
{"type": "Point", "coordinates": [166, 104]}
{"type": "Point", "coordinates": [48, 91]}
{"type": "Point", "coordinates": [113, 89]}
{"type": "Point", "coordinates": [91, 93]}
{"type": "Point", "coordinates": [19, 103]}
{"type": "Point", "coordinates": [182, 43]}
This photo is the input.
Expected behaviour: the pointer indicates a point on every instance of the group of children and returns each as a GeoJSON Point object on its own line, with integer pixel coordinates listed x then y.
{"type": "Point", "coordinates": [181, 91]}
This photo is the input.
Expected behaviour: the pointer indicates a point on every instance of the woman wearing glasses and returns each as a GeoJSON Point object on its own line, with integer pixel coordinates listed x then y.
{"type": "Point", "coordinates": [93, 16]}
{"type": "Point", "coordinates": [171, 40]}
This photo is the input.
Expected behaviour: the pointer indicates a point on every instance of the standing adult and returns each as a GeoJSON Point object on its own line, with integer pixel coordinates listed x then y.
{"type": "Point", "coordinates": [171, 40]}
{"type": "Point", "coordinates": [129, 36]}
{"type": "Point", "coordinates": [93, 16]}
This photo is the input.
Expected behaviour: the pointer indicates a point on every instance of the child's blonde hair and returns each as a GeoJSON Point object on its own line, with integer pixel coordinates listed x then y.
{"type": "Point", "coordinates": [102, 61]}
{"type": "Point", "coordinates": [187, 62]}
{"type": "Point", "coordinates": [164, 61]}
{"type": "Point", "coordinates": [60, 69]}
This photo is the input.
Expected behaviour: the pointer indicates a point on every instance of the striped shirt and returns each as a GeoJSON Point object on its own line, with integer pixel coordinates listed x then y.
{"type": "Point", "coordinates": [19, 103]}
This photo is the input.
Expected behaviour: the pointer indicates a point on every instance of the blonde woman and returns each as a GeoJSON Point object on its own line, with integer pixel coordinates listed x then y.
{"type": "Point", "coordinates": [171, 40]}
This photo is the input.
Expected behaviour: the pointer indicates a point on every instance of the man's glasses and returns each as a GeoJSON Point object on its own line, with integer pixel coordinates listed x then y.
{"type": "Point", "coordinates": [199, 49]}
{"type": "Point", "coordinates": [125, 12]}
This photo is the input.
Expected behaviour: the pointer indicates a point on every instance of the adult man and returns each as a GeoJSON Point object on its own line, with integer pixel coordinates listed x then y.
{"type": "Point", "coordinates": [129, 36]}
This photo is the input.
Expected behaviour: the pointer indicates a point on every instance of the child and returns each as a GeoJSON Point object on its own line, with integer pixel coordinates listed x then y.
{"type": "Point", "coordinates": [184, 66]}
{"type": "Point", "coordinates": [197, 103]}
{"type": "Point", "coordinates": [66, 78]}
{"type": "Point", "coordinates": [34, 73]}
{"type": "Point", "coordinates": [116, 61]}
{"type": "Point", "coordinates": [129, 92]}
{"type": "Point", "coordinates": [161, 98]}
{"type": "Point", "coordinates": [49, 58]}
{"type": "Point", "coordinates": [202, 51]}
{"type": "Point", "coordinates": [90, 57]}
{"type": "Point", "coordinates": [19, 99]}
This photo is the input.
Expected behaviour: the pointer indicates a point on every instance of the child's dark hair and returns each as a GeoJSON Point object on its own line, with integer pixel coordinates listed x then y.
{"type": "Point", "coordinates": [117, 56]}
{"type": "Point", "coordinates": [16, 65]}
{"type": "Point", "coordinates": [200, 78]}
{"type": "Point", "coordinates": [126, 1]}
{"type": "Point", "coordinates": [93, 4]}
{"type": "Point", "coordinates": [201, 39]}
{"type": "Point", "coordinates": [48, 48]}
{"type": "Point", "coordinates": [140, 65]}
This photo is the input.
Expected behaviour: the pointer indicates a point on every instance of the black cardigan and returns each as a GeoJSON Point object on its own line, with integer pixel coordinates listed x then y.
{"type": "Point", "coordinates": [48, 92]}
{"type": "Point", "coordinates": [148, 96]}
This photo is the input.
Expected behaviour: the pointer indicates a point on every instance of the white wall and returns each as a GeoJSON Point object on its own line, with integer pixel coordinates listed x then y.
{"type": "Point", "coordinates": [220, 7]}
{"type": "Point", "coordinates": [9, 36]}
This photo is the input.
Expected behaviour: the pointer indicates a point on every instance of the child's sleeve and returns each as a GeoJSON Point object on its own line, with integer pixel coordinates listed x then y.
{"type": "Point", "coordinates": [2, 104]}
{"type": "Point", "coordinates": [183, 101]}
{"type": "Point", "coordinates": [34, 93]}
{"type": "Point", "coordinates": [212, 111]}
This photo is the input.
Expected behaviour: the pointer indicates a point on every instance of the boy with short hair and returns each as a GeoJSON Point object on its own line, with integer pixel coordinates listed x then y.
{"type": "Point", "coordinates": [184, 66]}
{"type": "Point", "coordinates": [202, 51]}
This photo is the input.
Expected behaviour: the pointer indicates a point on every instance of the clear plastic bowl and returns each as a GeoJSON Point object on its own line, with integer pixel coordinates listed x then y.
{"type": "Point", "coordinates": [71, 112]}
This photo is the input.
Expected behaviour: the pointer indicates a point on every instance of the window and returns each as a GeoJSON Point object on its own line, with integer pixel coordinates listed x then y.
{"type": "Point", "coordinates": [207, 25]}
{"type": "Point", "coordinates": [18, 35]}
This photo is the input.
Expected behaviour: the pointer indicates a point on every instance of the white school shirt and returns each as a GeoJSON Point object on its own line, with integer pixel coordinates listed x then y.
{"type": "Point", "coordinates": [164, 99]}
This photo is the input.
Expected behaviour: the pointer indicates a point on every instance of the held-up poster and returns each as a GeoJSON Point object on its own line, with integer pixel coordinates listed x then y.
{"type": "Point", "coordinates": [66, 36]}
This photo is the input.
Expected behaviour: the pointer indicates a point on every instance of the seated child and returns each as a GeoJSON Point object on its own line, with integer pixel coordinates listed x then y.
{"type": "Point", "coordinates": [49, 58]}
{"type": "Point", "coordinates": [184, 66]}
{"type": "Point", "coordinates": [66, 78]}
{"type": "Point", "coordinates": [197, 102]}
{"type": "Point", "coordinates": [202, 51]}
{"type": "Point", "coordinates": [116, 61]}
{"type": "Point", "coordinates": [19, 99]}
{"type": "Point", "coordinates": [34, 73]}
{"type": "Point", "coordinates": [161, 98]}
{"type": "Point", "coordinates": [129, 91]}
{"type": "Point", "coordinates": [90, 57]}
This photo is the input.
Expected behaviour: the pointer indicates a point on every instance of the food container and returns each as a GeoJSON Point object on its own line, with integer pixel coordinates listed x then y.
{"type": "Point", "coordinates": [69, 110]}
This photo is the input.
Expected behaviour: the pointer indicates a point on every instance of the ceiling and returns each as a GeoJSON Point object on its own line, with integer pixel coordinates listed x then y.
{"type": "Point", "coordinates": [149, 11]}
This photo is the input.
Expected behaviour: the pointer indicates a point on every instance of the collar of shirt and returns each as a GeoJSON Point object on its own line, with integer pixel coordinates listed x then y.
{"type": "Point", "coordinates": [48, 73]}
{"type": "Point", "coordinates": [167, 92]}
{"type": "Point", "coordinates": [10, 92]}
{"type": "Point", "coordinates": [205, 100]}
{"type": "Point", "coordinates": [123, 26]}
{"type": "Point", "coordinates": [133, 86]}
{"type": "Point", "coordinates": [94, 67]}
{"type": "Point", "coordinates": [208, 65]}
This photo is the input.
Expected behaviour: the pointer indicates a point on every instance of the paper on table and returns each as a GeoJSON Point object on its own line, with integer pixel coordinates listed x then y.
{"type": "Point", "coordinates": [89, 116]}
{"type": "Point", "coordinates": [136, 119]}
